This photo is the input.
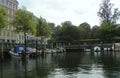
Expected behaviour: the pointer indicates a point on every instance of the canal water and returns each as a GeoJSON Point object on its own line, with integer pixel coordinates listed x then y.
{"type": "Point", "coordinates": [64, 65]}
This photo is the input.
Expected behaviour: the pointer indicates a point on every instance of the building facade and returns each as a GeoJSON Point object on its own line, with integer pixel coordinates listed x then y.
{"type": "Point", "coordinates": [7, 33]}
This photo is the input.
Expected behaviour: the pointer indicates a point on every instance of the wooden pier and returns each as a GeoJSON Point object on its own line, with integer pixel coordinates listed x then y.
{"type": "Point", "coordinates": [89, 46]}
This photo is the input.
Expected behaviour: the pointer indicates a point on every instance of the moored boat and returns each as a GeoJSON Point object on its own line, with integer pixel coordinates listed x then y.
{"type": "Point", "coordinates": [17, 51]}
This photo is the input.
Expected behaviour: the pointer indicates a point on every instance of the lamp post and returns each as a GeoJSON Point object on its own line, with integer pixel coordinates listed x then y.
{"type": "Point", "coordinates": [1, 53]}
{"type": "Point", "coordinates": [36, 46]}
{"type": "Point", "coordinates": [42, 45]}
{"type": "Point", "coordinates": [25, 44]}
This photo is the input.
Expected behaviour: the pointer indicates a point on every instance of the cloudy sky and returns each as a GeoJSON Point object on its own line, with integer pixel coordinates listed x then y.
{"type": "Point", "coordinates": [58, 11]}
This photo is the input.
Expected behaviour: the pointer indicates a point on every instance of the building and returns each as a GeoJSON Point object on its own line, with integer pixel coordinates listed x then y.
{"type": "Point", "coordinates": [6, 34]}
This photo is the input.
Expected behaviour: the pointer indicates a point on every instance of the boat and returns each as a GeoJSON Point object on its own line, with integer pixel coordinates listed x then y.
{"type": "Point", "coordinates": [32, 52]}
{"type": "Point", "coordinates": [17, 51]}
{"type": "Point", "coordinates": [50, 51]}
{"type": "Point", "coordinates": [57, 50]}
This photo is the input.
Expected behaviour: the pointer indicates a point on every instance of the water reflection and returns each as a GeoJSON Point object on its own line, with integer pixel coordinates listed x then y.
{"type": "Point", "coordinates": [69, 65]}
{"type": "Point", "coordinates": [1, 68]}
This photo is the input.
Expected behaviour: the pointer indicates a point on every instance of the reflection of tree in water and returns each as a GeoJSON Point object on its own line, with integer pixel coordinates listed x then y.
{"type": "Point", "coordinates": [53, 65]}
{"type": "Point", "coordinates": [45, 66]}
{"type": "Point", "coordinates": [42, 69]}
{"type": "Point", "coordinates": [1, 68]}
{"type": "Point", "coordinates": [111, 65]}
{"type": "Point", "coordinates": [70, 61]}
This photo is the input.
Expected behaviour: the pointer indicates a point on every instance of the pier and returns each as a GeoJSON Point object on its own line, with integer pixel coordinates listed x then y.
{"type": "Point", "coordinates": [83, 47]}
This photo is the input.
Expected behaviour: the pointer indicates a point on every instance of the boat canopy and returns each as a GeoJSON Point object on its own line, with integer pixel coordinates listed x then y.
{"type": "Point", "coordinates": [18, 48]}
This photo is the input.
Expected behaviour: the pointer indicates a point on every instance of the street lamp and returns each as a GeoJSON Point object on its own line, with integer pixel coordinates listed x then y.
{"type": "Point", "coordinates": [101, 45]}
{"type": "Point", "coordinates": [36, 45]}
{"type": "Point", "coordinates": [42, 40]}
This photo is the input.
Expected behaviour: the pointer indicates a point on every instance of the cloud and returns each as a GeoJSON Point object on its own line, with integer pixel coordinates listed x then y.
{"type": "Point", "coordinates": [57, 11]}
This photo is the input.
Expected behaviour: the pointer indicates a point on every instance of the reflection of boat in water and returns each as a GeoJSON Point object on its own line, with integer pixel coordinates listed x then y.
{"type": "Point", "coordinates": [18, 51]}
{"type": "Point", "coordinates": [21, 65]}
{"type": "Point", "coordinates": [97, 49]}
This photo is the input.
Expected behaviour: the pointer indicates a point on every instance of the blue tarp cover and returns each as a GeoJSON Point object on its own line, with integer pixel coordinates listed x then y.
{"type": "Point", "coordinates": [18, 48]}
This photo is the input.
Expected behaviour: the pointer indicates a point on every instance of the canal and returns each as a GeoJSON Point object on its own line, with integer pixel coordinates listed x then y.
{"type": "Point", "coordinates": [64, 65]}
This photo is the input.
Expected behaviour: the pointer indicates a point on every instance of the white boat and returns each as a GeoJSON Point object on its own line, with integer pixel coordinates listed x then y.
{"type": "Point", "coordinates": [50, 51]}
{"type": "Point", "coordinates": [17, 51]}
{"type": "Point", "coordinates": [57, 50]}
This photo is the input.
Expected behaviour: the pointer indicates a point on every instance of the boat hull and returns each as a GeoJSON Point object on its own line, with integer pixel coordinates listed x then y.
{"type": "Point", "coordinates": [15, 55]}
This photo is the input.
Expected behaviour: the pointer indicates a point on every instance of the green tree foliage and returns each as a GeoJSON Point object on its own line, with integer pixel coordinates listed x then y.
{"type": "Point", "coordinates": [24, 21]}
{"type": "Point", "coordinates": [107, 14]}
{"type": "Point", "coordinates": [55, 34]}
{"type": "Point", "coordinates": [85, 30]}
{"type": "Point", "coordinates": [118, 30]}
{"type": "Point", "coordinates": [52, 27]}
{"type": "Point", "coordinates": [66, 24]}
{"type": "Point", "coordinates": [94, 32]}
{"type": "Point", "coordinates": [3, 18]}
{"type": "Point", "coordinates": [107, 32]}
{"type": "Point", "coordinates": [68, 32]}
{"type": "Point", "coordinates": [43, 29]}
{"type": "Point", "coordinates": [109, 17]}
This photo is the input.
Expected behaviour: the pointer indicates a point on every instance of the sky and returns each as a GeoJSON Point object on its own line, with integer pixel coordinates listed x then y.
{"type": "Point", "coordinates": [58, 11]}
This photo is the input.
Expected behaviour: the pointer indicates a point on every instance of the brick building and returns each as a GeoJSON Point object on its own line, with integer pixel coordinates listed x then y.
{"type": "Point", "coordinates": [6, 34]}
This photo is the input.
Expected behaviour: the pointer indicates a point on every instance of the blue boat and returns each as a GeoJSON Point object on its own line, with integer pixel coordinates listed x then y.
{"type": "Point", "coordinates": [17, 51]}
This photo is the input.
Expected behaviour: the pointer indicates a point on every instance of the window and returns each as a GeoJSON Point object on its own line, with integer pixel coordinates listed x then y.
{"type": "Point", "coordinates": [8, 11]}
{"type": "Point", "coordinates": [4, 33]}
{"type": "Point", "coordinates": [9, 4]}
{"type": "Point", "coordinates": [4, 2]}
{"type": "Point", "coordinates": [15, 6]}
{"type": "Point", "coordinates": [12, 13]}
{"type": "Point", "coordinates": [8, 34]}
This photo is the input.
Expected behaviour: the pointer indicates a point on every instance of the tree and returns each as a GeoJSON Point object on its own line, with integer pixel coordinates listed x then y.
{"type": "Point", "coordinates": [52, 27]}
{"type": "Point", "coordinates": [94, 33]}
{"type": "Point", "coordinates": [85, 30]}
{"type": "Point", "coordinates": [107, 14]}
{"type": "Point", "coordinates": [24, 21]}
{"type": "Point", "coordinates": [55, 34]}
{"type": "Point", "coordinates": [107, 32]}
{"type": "Point", "coordinates": [118, 30]}
{"type": "Point", "coordinates": [66, 23]}
{"type": "Point", "coordinates": [68, 33]}
{"type": "Point", "coordinates": [43, 29]}
{"type": "Point", "coordinates": [109, 17]}
{"type": "Point", "coordinates": [3, 18]}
